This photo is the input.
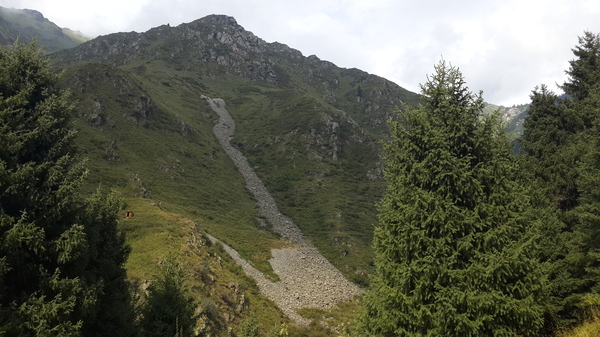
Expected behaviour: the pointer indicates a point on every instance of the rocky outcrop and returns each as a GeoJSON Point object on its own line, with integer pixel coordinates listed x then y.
{"type": "Point", "coordinates": [307, 278]}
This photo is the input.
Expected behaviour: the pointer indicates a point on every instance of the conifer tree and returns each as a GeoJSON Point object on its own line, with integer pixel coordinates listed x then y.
{"type": "Point", "coordinates": [584, 71]}
{"type": "Point", "coordinates": [41, 246]}
{"type": "Point", "coordinates": [454, 256]}
{"type": "Point", "coordinates": [588, 210]}
{"type": "Point", "coordinates": [559, 145]}
{"type": "Point", "coordinates": [61, 265]}
{"type": "Point", "coordinates": [548, 144]}
{"type": "Point", "coordinates": [588, 180]}
{"type": "Point", "coordinates": [169, 308]}
{"type": "Point", "coordinates": [113, 314]}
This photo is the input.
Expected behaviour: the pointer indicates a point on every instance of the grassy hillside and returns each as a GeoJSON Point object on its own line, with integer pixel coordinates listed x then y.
{"type": "Point", "coordinates": [27, 25]}
{"type": "Point", "coordinates": [163, 151]}
{"type": "Point", "coordinates": [310, 129]}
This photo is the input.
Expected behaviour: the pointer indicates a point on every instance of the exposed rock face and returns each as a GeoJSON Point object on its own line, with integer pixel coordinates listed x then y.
{"type": "Point", "coordinates": [137, 105]}
{"type": "Point", "coordinates": [307, 278]}
{"type": "Point", "coordinates": [221, 41]}
{"type": "Point", "coordinates": [513, 117]}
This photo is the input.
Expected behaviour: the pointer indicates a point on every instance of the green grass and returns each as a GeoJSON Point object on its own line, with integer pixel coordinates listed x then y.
{"type": "Point", "coordinates": [313, 138]}
{"type": "Point", "coordinates": [337, 321]}
{"type": "Point", "coordinates": [589, 328]}
{"type": "Point", "coordinates": [154, 233]}
{"type": "Point", "coordinates": [284, 132]}
{"type": "Point", "coordinates": [187, 175]}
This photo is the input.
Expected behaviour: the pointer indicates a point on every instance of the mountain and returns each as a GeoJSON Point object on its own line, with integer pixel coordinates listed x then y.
{"type": "Point", "coordinates": [308, 128]}
{"type": "Point", "coordinates": [311, 131]}
{"type": "Point", "coordinates": [513, 117]}
{"type": "Point", "coordinates": [27, 24]}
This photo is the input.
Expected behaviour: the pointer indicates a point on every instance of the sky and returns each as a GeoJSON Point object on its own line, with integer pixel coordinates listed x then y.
{"type": "Point", "coordinates": [504, 48]}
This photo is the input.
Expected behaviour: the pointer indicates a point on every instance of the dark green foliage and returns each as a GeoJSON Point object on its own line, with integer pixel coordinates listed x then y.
{"type": "Point", "coordinates": [169, 308]}
{"type": "Point", "coordinates": [584, 71]}
{"type": "Point", "coordinates": [250, 328]}
{"type": "Point", "coordinates": [61, 265]}
{"type": "Point", "coordinates": [41, 246]}
{"type": "Point", "coordinates": [106, 257]}
{"type": "Point", "coordinates": [548, 133]}
{"type": "Point", "coordinates": [454, 256]}
{"type": "Point", "coordinates": [560, 164]}
{"type": "Point", "coordinates": [588, 210]}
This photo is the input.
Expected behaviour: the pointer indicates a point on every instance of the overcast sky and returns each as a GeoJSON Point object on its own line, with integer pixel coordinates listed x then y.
{"type": "Point", "coordinates": [504, 48]}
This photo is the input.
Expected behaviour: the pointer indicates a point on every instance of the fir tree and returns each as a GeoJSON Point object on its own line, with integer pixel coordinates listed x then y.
{"type": "Point", "coordinates": [61, 265]}
{"type": "Point", "coordinates": [588, 209]}
{"type": "Point", "coordinates": [548, 144]}
{"type": "Point", "coordinates": [559, 145]}
{"type": "Point", "coordinates": [113, 313]}
{"type": "Point", "coordinates": [41, 246]}
{"type": "Point", "coordinates": [169, 308]}
{"type": "Point", "coordinates": [454, 256]}
{"type": "Point", "coordinates": [584, 71]}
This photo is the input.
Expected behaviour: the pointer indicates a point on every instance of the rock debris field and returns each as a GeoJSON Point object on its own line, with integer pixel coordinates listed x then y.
{"type": "Point", "coordinates": [308, 280]}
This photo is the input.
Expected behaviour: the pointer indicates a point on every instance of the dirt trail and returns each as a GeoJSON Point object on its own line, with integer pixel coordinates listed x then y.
{"type": "Point", "coordinates": [307, 278]}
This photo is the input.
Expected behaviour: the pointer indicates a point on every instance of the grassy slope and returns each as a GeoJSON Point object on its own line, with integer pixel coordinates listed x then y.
{"type": "Point", "coordinates": [28, 25]}
{"type": "Point", "coordinates": [176, 182]}
{"type": "Point", "coordinates": [75, 36]}
{"type": "Point", "coordinates": [308, 139]}
{"type": "Point", "coordinates": [330, 200]}
{"type": "Point", "coordinates": [155, 140]}
{"type": "Point", "coordinates": [177, 186]}
{"type": "Point", "coordinates": [146, 132]}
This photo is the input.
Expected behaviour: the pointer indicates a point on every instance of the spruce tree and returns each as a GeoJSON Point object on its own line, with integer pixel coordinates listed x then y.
{"type": "Point", "coordinates": [584, 70]}
{"type": "Point", "coordinates": [113, 314]}
{"type": "Point", "coordinates": [548, 144]}
{"type": "Point", "coordinates": [588, 210]}
{"type": "Point", "coordinates": [41, 246]}
{"type": "Point", "coordinates": [61, 264]}
{"type": "Point", "coordinates": [454, 255]}
{"type": "Point", "coordinates": [588, 180]}
{"type": "Point", "coordinates": [169, 309]}
{"type": "Point", "coordinates": [559, 162]}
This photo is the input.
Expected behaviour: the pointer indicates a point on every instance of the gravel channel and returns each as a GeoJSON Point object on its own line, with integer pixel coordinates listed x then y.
{"type": "Point", "coordinates": [308, 280]}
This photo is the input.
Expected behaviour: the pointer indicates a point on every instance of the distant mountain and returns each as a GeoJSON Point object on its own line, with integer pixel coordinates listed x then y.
{"type": "Point", "coordinates": [513, 117]}
{"type": "Point", "coordinates": [27, 24]}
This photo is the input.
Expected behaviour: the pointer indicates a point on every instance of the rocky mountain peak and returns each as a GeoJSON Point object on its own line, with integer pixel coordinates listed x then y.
{"type": "Point", "coordinates": [221, 19]}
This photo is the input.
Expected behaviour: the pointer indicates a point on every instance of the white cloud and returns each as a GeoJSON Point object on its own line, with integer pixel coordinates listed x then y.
{"type": "Point", "coordinates": [504, 48]}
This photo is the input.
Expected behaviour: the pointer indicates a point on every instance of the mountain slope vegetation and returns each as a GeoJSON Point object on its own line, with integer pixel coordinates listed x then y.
{"type": "Point", "coordinates": [309, 129]}
{"type": "Point", "coordinates": [26, 25]}
{"type": "Point", "coordinates": [315, 133]}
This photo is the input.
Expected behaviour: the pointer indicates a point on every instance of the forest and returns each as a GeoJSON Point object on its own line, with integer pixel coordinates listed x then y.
{"type": "Point", "coordinates": [474, 237]}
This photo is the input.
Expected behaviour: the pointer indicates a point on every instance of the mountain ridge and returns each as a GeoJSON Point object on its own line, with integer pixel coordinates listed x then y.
{"type": "Point", "coordinates": [310, 130]}
{"type": "Point", "coordinates": [26, 25]}
{"type": "Point", "coordinates": [303, 123]}
{"type": "Point", "coordinates": [333, 117]}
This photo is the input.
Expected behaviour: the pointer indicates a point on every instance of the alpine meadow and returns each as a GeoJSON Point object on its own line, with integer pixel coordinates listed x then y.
{"type": "Point", "coordinates": [195, 180]}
